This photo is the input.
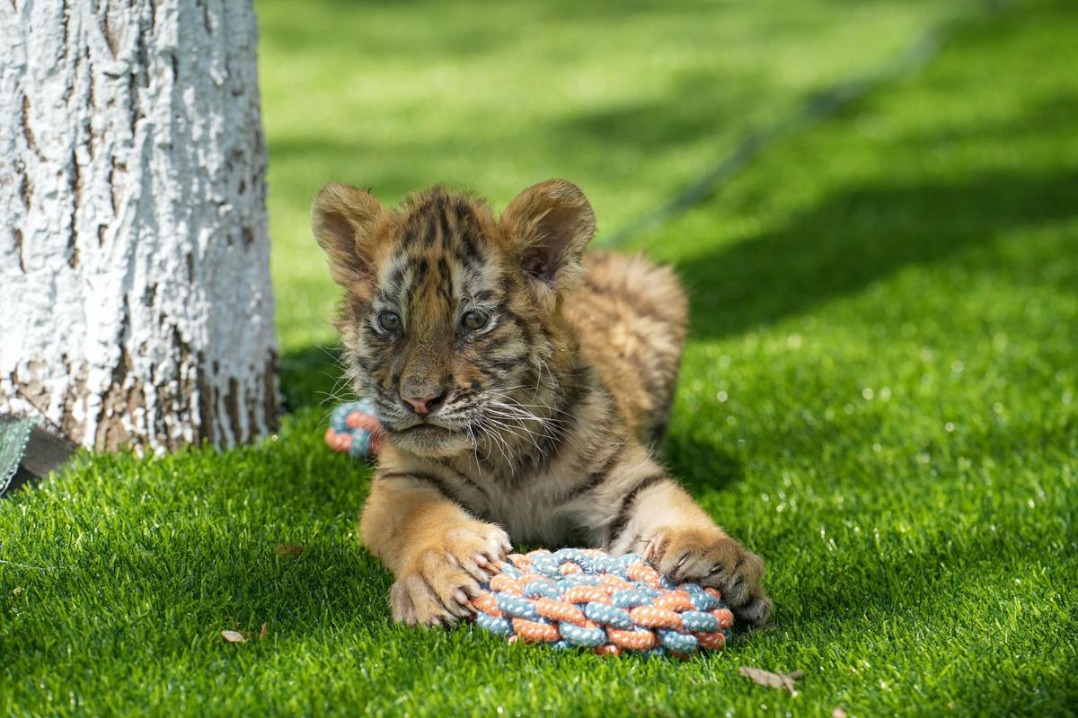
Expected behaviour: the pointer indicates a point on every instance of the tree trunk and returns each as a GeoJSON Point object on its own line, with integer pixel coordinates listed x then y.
{"type": "Point", "coordinates": [135, 300]}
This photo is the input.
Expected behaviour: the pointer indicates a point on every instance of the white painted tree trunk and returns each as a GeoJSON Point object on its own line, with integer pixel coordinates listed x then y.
{"type": "Point", "coordinates": [135, 299]}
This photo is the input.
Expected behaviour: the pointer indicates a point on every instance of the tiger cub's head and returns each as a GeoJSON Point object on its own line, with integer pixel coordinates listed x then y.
{"type": "Point", "coordinates": [450, 321]}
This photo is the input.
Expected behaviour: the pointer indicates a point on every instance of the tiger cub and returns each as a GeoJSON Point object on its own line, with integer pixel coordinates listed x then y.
{"type": "Point", "coordinates": [524, 387]}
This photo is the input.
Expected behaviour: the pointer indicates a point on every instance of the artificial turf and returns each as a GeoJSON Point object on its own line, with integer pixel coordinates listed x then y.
{"type": "Point", "coordinates": [879, 394]}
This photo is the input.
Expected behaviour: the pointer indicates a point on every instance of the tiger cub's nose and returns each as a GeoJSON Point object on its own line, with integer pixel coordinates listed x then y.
{"type": "Point", "coordinates": [424, 405]}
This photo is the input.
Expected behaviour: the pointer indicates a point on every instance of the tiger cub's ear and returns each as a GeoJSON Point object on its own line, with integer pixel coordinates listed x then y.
{"type": "Point", "coordinates": [343, 220]}
{"type": "Point", "coordinates": [550, 224]}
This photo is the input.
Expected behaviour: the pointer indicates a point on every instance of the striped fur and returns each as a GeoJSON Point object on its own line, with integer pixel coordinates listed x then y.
{"type": "Point", "coordinates": [541, 423]}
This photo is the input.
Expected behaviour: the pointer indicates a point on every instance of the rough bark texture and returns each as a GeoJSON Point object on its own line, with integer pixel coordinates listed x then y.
{"type": "Point", "coordinates": [135, 299]}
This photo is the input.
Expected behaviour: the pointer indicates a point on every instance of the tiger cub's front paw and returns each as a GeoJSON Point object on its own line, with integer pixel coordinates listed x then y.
{"type": "Point", "coordinates": [711, 558]}
{"type": "Point", "coordinates": [438, 583]}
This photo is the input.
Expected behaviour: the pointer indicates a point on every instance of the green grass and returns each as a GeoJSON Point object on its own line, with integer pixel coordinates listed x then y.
{"type": "Point", "coordinates": [879, 394]}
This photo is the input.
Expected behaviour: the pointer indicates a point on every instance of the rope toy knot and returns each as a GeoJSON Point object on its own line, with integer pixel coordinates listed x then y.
{"type": "Point", "coordinates": [355, 430]}
{"type": "Point", "coordinates": [586, 598]}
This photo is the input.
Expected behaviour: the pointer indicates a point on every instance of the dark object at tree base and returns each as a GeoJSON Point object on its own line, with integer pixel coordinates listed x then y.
{"type": "Point", "coordinates": [28, 452]}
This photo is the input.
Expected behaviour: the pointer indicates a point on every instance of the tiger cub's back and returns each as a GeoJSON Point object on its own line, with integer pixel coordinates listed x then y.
{"type": "Point", "coordinates": [631, 317]}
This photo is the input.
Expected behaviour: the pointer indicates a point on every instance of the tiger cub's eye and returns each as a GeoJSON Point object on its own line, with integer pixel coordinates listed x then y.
{"type": "Point", "coordinates": [475, 320]}
{"type": "Point", "coordinates": [390, 321]}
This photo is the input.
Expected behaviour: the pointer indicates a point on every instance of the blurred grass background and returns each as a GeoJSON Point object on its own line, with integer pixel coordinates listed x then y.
{"type": "Point", "coordinates": [879, 394]}
{"type": "Point", "coordinates": [631, 100]}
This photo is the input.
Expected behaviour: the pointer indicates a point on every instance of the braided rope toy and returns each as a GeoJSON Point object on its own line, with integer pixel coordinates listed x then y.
{"type": "Point", "coordinates": [585, 598]}
{"type": "Point", "coordinates": [355, 430]}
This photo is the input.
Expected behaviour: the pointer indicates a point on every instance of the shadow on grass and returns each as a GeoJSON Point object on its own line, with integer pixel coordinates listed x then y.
{"type": "Point", "coordinates": [667, 121]}
{"type": "Point", "coordinates": [1043, 118]}
{"type": "Point", "coordinates": [311, 378]}
{"type": "Point", "coordinates": [700, 467]}
{"type": "Point", "coordinates": [856, 238]}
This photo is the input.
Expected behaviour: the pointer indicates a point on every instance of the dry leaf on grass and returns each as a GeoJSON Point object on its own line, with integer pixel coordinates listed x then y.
{"type": "Point", "coordinates": [289, 550]}
{"type": "Point", "coordinates": [771, 680]}
{"type": "Point", "coordinates": [233, 636]}
{"type": "Point", "coordinates": [839, 712]}
{"type": "Point", "coordinates": [262, 632]}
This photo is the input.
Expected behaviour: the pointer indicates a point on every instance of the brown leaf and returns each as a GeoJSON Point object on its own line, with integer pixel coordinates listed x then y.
{"type": "Point", "coordinates": [288, 550]}
{"type": "Point", "coordinates": [262, 632]}
{"type": "Point", "coordinates": [234, 636]}
{"type": "Point", "coordinates": [771, 680]}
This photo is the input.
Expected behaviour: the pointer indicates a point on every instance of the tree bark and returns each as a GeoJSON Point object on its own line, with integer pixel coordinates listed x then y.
{"type": "Point", "coordinates": [135, 301]}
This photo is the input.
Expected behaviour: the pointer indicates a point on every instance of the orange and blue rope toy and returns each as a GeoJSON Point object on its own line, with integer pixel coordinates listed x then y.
{"type": "Point", "coordinates": [355, 430]}
{"type": "Point", "coordinates": [586, 598]}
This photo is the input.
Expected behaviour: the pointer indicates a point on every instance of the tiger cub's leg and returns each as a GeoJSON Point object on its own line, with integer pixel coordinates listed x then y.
{"type": "Point", "coordinates": [650, 514]}
{"type": "Point", "coordinates": [437, 552]}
